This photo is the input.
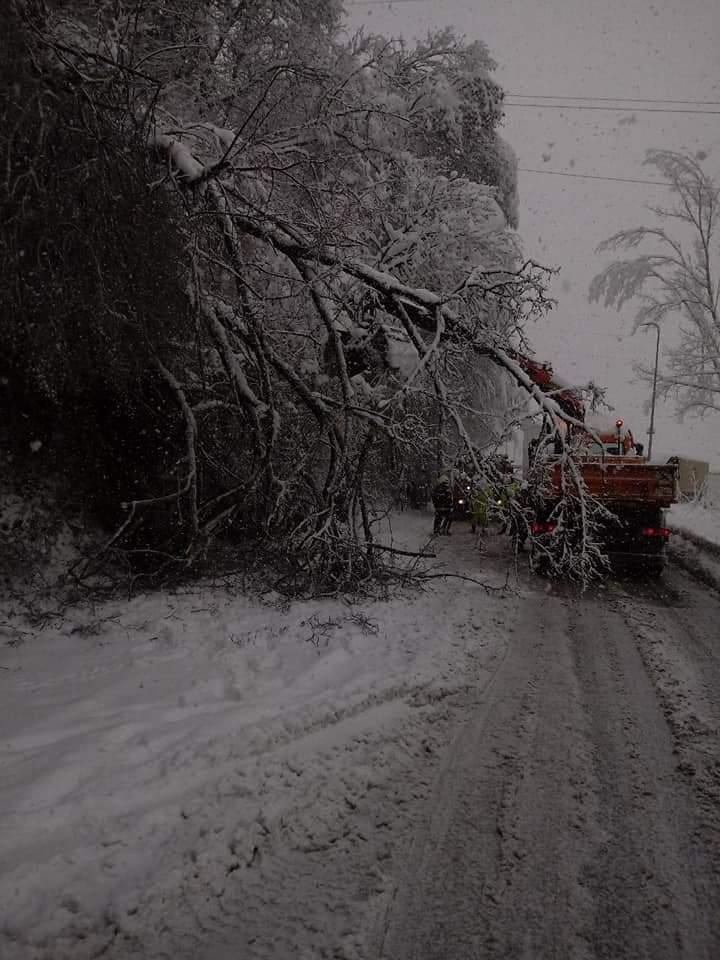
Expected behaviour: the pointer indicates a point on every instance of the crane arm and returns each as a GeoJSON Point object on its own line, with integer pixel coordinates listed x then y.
{"type": "Point", "coordinates": [542, 374]}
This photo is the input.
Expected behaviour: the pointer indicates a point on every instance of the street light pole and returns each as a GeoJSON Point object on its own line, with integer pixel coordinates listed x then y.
{"type": "Point", "coordinates": [651, 431]}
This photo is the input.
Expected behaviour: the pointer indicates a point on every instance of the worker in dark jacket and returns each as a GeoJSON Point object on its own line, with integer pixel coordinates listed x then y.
{"type": "Point", "coordinates": [442, 499]}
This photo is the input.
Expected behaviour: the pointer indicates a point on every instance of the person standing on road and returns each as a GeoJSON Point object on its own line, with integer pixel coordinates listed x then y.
{"type": "Point", "coordinates": [479, 509]}
{"type": "Point", "coordinates": [442, 499]}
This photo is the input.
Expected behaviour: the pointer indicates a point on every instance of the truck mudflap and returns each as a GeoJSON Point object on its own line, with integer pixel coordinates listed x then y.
{"type": "Point", "coordinates": [644, 564]}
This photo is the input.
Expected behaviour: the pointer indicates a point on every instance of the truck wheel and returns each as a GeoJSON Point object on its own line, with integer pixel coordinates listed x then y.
{"type": "Point", "coordinates": [539, 563]}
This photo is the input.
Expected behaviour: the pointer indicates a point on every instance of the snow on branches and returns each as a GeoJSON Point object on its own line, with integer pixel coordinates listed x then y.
{"type": "Point", "coordinates": [348, 263]}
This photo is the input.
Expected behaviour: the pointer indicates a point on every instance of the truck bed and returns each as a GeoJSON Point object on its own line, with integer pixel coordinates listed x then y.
{"type": "Point", "coordinates": [626, 480]}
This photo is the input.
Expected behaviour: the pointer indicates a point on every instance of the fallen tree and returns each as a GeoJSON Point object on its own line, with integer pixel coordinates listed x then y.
{"type": "Point", "coordinates": [333, 283]}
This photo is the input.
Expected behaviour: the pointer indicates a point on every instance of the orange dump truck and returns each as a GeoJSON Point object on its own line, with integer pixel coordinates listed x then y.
{"type": "Point", "coordinates": [635, 493]}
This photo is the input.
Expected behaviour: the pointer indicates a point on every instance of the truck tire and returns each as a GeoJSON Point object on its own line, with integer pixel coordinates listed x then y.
{"type": "Point", "coordinates": [539, 563]}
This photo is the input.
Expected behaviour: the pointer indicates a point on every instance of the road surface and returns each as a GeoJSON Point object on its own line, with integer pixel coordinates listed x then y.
{"type": "Point", "coordinates": [498, 774]}
{"type": "Point", "coordinates": [576, 812]}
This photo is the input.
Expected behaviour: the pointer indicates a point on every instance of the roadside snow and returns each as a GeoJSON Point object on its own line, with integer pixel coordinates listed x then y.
{"type": "Point", "coordinates": [695, 543]}
{"type": "Point", "coordinates": [697, 518]}
{"type": "Point", "coordinates": [199, 774]}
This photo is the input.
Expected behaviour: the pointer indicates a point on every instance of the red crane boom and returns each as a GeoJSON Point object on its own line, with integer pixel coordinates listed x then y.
{"type": "Point", "coordinates": [542, 375]}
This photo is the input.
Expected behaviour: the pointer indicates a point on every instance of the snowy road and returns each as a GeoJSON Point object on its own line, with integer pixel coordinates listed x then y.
{"type": "Point", "coordinates": [520, 773]}
{"type": "Point", "coordinates": [577, 814]}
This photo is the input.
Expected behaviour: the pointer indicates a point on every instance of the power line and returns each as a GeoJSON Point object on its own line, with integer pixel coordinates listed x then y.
{"type": "Point", "coordinates": [594, 176]}
{"type": "Point", "coordinates": [575, 106]}
{"type": "Point", "coordinates": [539, 96]}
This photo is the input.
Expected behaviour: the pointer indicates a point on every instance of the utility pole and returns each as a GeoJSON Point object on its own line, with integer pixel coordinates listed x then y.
{"type": "Point", "coordinates": [651, 431]}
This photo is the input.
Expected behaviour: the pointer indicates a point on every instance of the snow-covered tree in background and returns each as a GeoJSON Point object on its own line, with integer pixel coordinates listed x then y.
{"type": "Point", "coordinates": [451, 107]}
{"type": "Point", "coordinates": [676, 279]}
{"type": "Point", "coordinates": [316, 264]}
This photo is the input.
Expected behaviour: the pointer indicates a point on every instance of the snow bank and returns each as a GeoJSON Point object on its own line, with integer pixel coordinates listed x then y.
{"type": "Point", "coordinates": [198, 774]}
{"type": "Point", "coordinates": [695, 543]}
{"type": "Point", "coordinates": [697, 518]}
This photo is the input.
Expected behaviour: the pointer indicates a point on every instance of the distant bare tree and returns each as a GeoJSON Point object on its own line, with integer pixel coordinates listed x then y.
{"type": "Point", "coordinates": [676, 281]}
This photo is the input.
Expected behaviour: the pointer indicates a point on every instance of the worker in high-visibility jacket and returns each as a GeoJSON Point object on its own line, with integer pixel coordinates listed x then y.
{"type": "Point", "coordinates": [504, 496]}
{"type": "Point", "coordinates": [480, 500]}
{"type": "Point", "coordinates": [490, 502]}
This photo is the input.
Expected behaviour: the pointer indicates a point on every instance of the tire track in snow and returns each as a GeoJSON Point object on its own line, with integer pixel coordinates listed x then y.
{"type": "Point", "coordinates": [560, 824]}
{"type": "Point", "coordinates": [675, 625]}
{"type": "Point", "coordinates": [647, 877]}
{"type": "Point", "coordinates": [477, 881]}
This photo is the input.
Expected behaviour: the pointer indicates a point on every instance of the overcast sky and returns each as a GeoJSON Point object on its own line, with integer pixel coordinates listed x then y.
{"type": "Point", "coordinates": [585, 48]}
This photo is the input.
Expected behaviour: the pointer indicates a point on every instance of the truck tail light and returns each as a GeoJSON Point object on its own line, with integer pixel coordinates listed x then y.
{"type": "Point", "coordinates": [656, 532]}
{"type": "Point", "coordinates": [540, 526]}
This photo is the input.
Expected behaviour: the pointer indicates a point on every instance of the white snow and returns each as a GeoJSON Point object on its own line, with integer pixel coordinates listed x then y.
{"type": "Point", "coordinates": [698, 518]}
{"type": "Point", "coordinates": [179, 154]}
{"type": "Point", "coordinates": [171, 765]}
{"type": "Point", "coordinates": [226, 138]}
{"type": "Point", "coordinates": [402, 355]}
{"type": "Point", "coordinates": [695, 543]}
